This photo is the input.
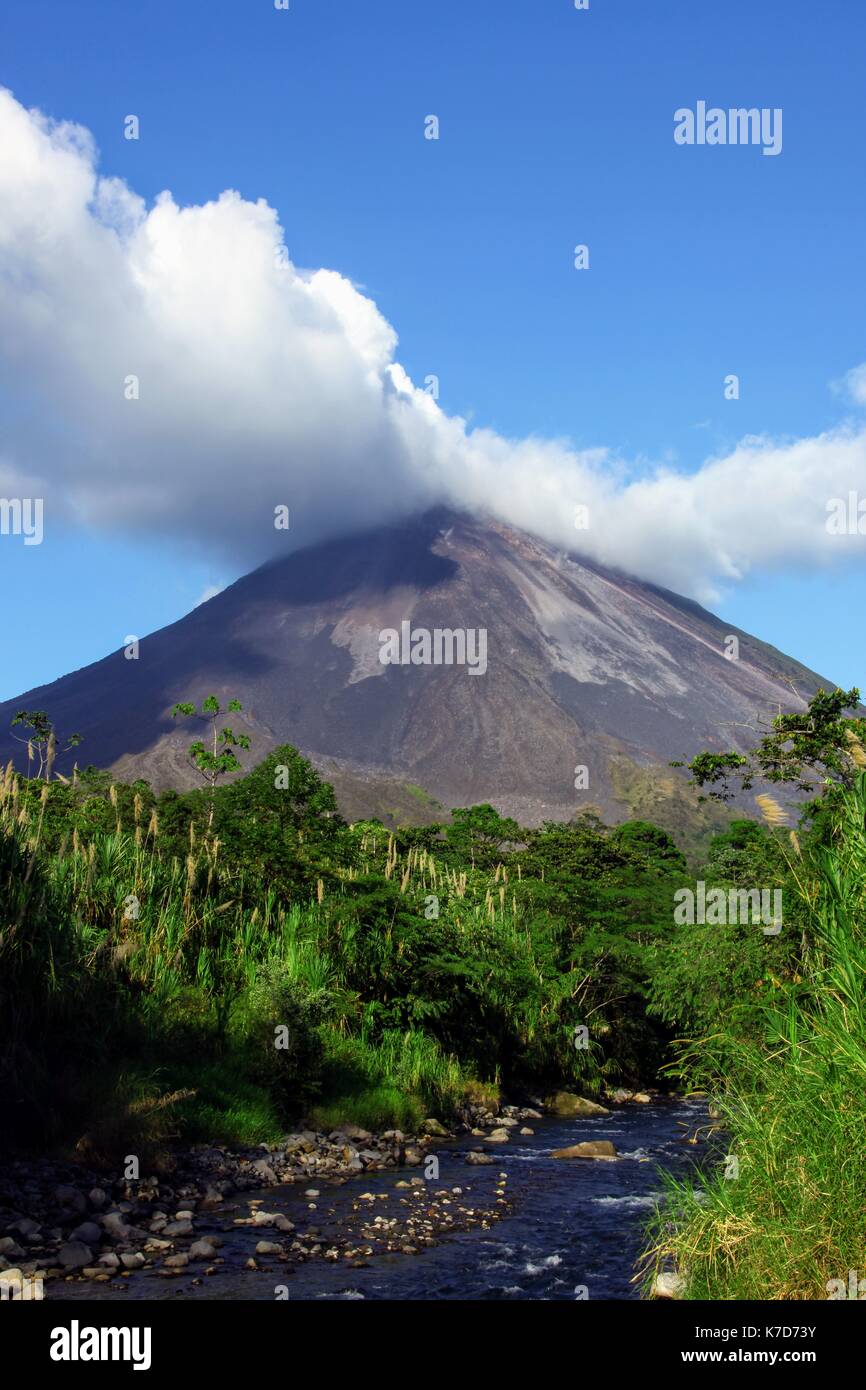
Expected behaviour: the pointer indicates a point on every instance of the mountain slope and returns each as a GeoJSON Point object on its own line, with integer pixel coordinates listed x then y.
{"type": "Point", "coordinates": [585, 667]}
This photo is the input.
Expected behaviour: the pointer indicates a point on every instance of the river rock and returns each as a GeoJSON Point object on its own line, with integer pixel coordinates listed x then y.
{"type": "Point", "coordinates": [269, 1247]}
{"type": "Point", "coordinates": [26, 1227]}
{"type": "Point", "coordinates": [88, 1231]}
{"type": "Point", "coordinates": [300, 1143]}
{"type": "Point", "coordinates": [115, 1225]}
{"type": "Point", "coordinates": [590, 1148]}
{"type": "Point", "coordinates": [268, 1218]}
{"type": "Point", "coordinates": [435, 1128]}
{"type": "Point", "coordinates": [265, 1171]}
{"type": "Point", "coordinates": [668, 1285]}
{"type": "Point", "coordinates": [202, 1250]}
{"type": "Point", "coordinates": [642, 1098]}
{"type": "Point", "coordinates": [178, 1228]}
{"type": "Point", "coordinates": [212, 1198]}
{"type": "Point", "coordinates": [498, 1136]}
{"type": "Point", "coordinates": [74, 1254]}
{"type": "Point", "coordinates": [568, 1105]}
{"type": "Point", "coordinates": [474, 1157]}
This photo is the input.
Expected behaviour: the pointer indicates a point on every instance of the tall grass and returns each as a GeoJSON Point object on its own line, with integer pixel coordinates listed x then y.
{"type": "Point", "coordinates": [790, 1216]}
{"type": "Point", "coordinates": [133, 984]}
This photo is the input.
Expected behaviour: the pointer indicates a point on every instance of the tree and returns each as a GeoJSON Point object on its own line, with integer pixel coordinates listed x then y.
{"type": "Point", "coordinates": [810, 749]}
{"type": "Point", "coordinates": [42, 740]}
{"type": "Point", "coordinates": [215, 761]}
{"type": "Point", "coordinates": [480, 834]}
{"type": "Point", "coordinates": [281, 820]}
{"type": "Point", "coordinates": [649, 846]}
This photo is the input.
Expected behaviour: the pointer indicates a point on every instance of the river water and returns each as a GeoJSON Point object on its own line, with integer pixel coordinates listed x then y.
{"type": "Point", "coordinates": [570, 1225]}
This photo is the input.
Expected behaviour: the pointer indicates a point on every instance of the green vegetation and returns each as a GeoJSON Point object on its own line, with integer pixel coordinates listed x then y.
{"type": "Point", "coordinates": [217, 963]}
{"type": "Point", "coordinates": [781, 1215]}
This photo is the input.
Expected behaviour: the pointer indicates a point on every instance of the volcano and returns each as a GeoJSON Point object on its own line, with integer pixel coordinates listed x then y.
{"type": "Point", "coordinates": [592, 681]}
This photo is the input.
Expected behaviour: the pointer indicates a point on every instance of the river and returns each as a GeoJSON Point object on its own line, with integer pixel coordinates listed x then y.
{"type": "Point", "coordinates": [570, 1225]}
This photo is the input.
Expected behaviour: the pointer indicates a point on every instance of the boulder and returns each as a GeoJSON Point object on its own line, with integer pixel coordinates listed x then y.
{"type": "Point", "coordinates": [435, 1128]}
{"type": "Point", "coordinates": [202, 1250]}
{"type": "Point", "coordinates": [498, 1136]}
{"type": "Point", "coordinates": [88, 1231]}
{"type": "Point", "coordinates": [74, 1254]}
{"type": "Point", "coordinates": [264, 1170]}
{"type": "Point", "coordinates": [26, 1227]}
{"type": "Point", "coordinates": [474, 1157]}
{"type": "Point", "coordinates": [178, 1228]}
{"type": "Point", "coordinates": [568, 1105]}
{"type": "Point", "coordinates": [115, 1225]}
{"type": "Point", "coordinates": [590, 1148]}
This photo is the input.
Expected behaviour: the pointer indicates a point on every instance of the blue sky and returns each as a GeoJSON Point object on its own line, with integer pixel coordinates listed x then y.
{"type": "Point", "coordinates": [555, 129]}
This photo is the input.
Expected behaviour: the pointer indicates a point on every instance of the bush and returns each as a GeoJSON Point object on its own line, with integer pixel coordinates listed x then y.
{"type": "Point", "coordinates": [275, 1024]}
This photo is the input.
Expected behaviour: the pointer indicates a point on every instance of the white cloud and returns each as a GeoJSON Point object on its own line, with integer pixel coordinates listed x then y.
{"type": "Point", "coordinates": [854, 384]}
{"type": "Point", "coordinates": [262, 384]}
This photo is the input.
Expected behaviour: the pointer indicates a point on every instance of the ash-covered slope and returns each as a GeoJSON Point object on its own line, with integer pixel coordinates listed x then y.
{"type": "Point", "coordinates": [584, 668]}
